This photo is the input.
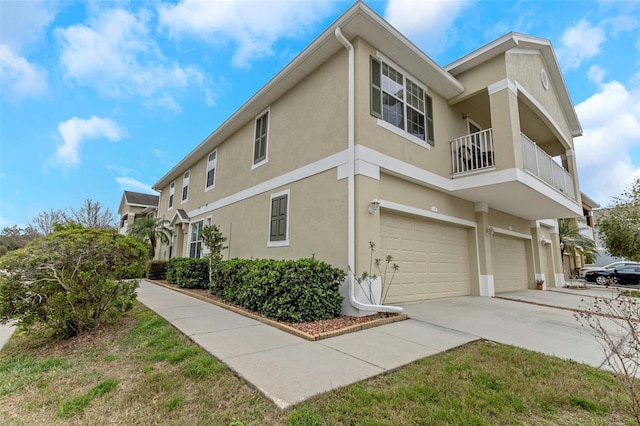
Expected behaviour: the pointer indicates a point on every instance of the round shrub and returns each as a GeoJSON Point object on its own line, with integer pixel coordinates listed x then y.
{"type": "Point", "coordinates": [71, 281]}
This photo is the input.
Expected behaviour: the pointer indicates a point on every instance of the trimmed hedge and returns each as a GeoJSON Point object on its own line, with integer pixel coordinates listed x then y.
{"type": "Point", "coordinates": [188, 273]}
{"type": "Point", "coordinates": [157, 269]}
{"type": "Point", "coordinates": [285, 290]}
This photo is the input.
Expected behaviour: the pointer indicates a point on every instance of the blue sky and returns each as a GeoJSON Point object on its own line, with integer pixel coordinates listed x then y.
{"type": "Point", "coordinates": [102, 96]}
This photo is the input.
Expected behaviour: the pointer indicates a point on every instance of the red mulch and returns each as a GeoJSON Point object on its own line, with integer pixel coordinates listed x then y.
{"type": "Point", "coordinates": [313, 328]}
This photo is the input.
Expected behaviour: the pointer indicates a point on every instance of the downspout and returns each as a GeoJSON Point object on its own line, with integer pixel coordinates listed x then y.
{"type": "Point", "coordinates": [351, 167]}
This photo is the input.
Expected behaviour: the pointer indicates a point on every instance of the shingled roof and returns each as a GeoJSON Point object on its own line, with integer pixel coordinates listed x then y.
{"type": "Point", "coordinates": [140, 199]}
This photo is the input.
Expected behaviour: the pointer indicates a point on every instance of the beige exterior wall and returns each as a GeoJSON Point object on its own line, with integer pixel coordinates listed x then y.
{"type": "Point", "coordinates": [448, 124]}
{"type": "Point", "coordinates": [526, 70]}
{"type": "Point", "coordinates": [305, 125]}
{"type": "Point", "coordinates": [477, 79]}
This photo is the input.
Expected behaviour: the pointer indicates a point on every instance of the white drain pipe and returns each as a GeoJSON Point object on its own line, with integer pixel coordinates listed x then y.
{"type": "Point", "coordinates": [351, 166]}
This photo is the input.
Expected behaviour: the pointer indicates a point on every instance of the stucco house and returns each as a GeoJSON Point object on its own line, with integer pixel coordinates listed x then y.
{"type": "Point", "coordinates": [135, 205]}
{"type": "Point", "coordinates": [458, 172]}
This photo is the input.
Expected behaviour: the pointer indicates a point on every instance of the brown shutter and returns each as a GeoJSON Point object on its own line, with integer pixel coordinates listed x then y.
{"type": "Point", "coordinates": [376, 92]}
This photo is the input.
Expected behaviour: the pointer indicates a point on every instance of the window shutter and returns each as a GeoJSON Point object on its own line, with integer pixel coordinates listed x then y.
{"type": "Point", "coordinates": [430, 137]}
{"type": "Point", "coordinates": [376, 92]}
{"type": "Point", "coordinates": [278, 230]}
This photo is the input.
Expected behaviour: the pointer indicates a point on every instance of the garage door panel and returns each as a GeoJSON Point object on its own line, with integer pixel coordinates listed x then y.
{"type": "Point", "coordinates": [510, 269]}
{"type": "Point", "coordinates": [433, 258]}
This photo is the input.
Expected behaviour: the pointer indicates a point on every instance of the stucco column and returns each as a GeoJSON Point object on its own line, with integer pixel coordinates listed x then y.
{"type": "Point", "coordinates": [538, 254]}
{"type": "Point", "coordinates": [557, 258]}
{"type": "Point", "coordinates": [485, 264]}
{"type": "Point", "coordinates": [505, 122]}
{"type": "Point", "coordinates": [569, 163]}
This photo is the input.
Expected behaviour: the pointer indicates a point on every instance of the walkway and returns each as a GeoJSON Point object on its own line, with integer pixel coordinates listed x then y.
{"type": "Point", "coordinates": [288, 369]}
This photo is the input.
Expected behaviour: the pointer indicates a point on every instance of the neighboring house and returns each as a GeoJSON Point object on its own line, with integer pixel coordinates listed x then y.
{"type": "Point", "coordinates": [135, 205]}
{"type": "Point", "coordinates": [362, 137]}
{"type": "Point", "coordinates": [572, 263]}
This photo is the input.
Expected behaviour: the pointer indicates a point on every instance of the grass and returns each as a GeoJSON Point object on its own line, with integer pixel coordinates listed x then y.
{"type": "Point", "coordinates": [141, 370]}
{"type": "Point", "coordinates": [631, 293]}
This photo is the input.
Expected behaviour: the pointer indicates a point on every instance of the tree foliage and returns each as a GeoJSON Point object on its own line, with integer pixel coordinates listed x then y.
{"type": "Point", "coordinates": [70, 281]}
{"type": "Point", "coordinates": [45, 221]}
{"type": "Point", "coordinates": [213, 239]}
{"type": "Point", "coordinates": [573, 241]}
{"type": "Point", "coordinates": [15, 237]}
{"type": "Point", "coordinates": [150, 230]}
{"type": "Point", "coordinates": [92, 214]}
{"type": "Point", "coordinates": [620, 227]}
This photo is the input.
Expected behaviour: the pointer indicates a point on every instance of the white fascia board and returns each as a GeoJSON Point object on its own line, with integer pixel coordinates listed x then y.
{"type": "Point", "coordinates": [390, 205]}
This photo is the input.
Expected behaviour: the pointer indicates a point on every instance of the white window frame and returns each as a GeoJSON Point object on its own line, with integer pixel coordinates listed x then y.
{"type": "Point", "coordinates": [266, 151]}
{"type": "Point", "coordinates": [192, 241]}
{"type": "Point", "coordinates": [285, 242]}
{"type": "Point", "coordinates": [172, 195]}
{"type": "Point", "coordinates": [208, 221]}
{"type": "Point", "coordinates": [185, 184]}
{"type": "Point", "coordinates": [211, 165]}
{"type": "Point", "coordinates": [394, 129]}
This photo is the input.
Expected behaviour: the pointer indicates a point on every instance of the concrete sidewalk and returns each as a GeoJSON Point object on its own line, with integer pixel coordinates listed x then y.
{"type": "Point", "coordinates": [5, 333]}
{"type": "Point", "coordinates": [288, 369]}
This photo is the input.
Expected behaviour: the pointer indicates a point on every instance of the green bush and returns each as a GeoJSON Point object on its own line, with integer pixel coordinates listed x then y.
{"type": "Point", "coordinates": [285, 290]}
{"type": "Point", "coordinates": [188, 273]}
{"type": "Point", "coordinates": [157, 269]}
{"type": "Point", "coordinates": [71, 281]}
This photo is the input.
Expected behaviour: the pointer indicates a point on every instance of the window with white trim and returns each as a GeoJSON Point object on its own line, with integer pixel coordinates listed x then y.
{"type": "Point", "coordinates": [185, 186]}
{"type": "Point", "coordinates": [400, 101]}
{"type": "Point", "coordinates": [172, 191]}
{"type": "Point", "coordinates": [279, 220]}
{"type": "Point", "coordinates": [195, 245]}
{"type": "Point", "coordinates": [211, 171]}
{"type": "Point", "coordinates": [261, 139]}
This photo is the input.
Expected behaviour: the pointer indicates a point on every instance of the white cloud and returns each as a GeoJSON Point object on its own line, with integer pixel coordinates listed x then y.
{"type": "Point", "coordinates": [127, 183]}
{"type": "Point", "coordinates": [253, 26]}
{"type": "Point", "coordinates": [580, 43]}
{"type": "Point", "coordinates": [75, 131]}
{"type": "Point", "coordinates": [23, 22]}
{"type": "Point", "coordinates": [116, 53]}
{"type": "Point", "coordinates": [596, 74]}
{"type": "Point", "coordinates": [426, 23]}
{"type": "Point", "coordinates": [19, 77]}
{"type": "Point", "coordinates": [611, 125]}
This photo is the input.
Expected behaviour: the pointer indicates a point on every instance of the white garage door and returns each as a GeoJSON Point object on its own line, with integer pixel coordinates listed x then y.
{"type": "Point", "coordinates": [510, 272]}
{"type": "Point", "coordinates": [433, 258]}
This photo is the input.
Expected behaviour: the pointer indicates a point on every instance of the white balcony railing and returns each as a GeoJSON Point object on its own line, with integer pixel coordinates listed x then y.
{"type": "Point", "coordinates": [472, 152]}
{"type": "Point", "coordinates": [542, 165]}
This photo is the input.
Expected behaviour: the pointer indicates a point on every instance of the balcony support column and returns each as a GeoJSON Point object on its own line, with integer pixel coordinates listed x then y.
{"type": "Point", "coordinates": [569, 164]}
{"type": "Point", "coordinates": [485, 262]}
{"type": "Point", "coordinates": [505, 121]}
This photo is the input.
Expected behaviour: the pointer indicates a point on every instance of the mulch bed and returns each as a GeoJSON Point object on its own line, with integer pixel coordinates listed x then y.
{"type": "Point", "coordinates": [315, 330]}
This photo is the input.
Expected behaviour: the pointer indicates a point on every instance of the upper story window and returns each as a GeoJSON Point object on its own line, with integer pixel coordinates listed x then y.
{"type": "Point", "coordinates": [402, 102]}
{"type": "Point", "coordinates": [185, 186]}
{"type": "Point", "coordinates": [172, 191]}
{"type": "Point", "coordinates": [261, 140]}
{"type": "Point", "coordinates": [211, 171]}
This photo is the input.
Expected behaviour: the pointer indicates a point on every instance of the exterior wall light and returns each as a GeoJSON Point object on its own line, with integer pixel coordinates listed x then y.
{"type": "Point", "coordinates": [491, 230]}
{"type": "Point", "coordinates": [374, 206]}
{"type": "Point", "coordinates": [544, 241]}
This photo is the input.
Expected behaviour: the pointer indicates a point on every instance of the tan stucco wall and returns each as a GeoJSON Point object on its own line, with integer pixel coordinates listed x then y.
{"type": "Point", "coordinates": [503, 220]}
{"type": "Point", "coordinates": [317, 222]}
{"type": "Point", "coordinates": [448, 124]}
{"type": "Point", "coordinates": [525, 69]}
{"type": "Point", "coordinates": [307, 124]}
{"type": "Point", "coordinates": [477, 79]}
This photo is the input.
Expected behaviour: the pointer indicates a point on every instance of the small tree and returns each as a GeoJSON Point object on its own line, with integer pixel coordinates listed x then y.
{"type": "Point", "coordinates": [44, 221]}
{"type": "Point", "coordinates": [368, 278]}
{"type": "Point", "coordinates": [92, 214]}
{"type": "Point", "coordinates": [620, 227]}
{"type": "Point", "coordinates": [573, 241]}
{"type": "Point", "coordinates": [15, 237]}
{"type": "Point", "coordinates": [70, 281]}
{"type": "Point", "coordinates": [616, 325]}
{"type": "Point", "coordinates": [150, 230]}
{"type": "Point", "coordinates": [213, 239]}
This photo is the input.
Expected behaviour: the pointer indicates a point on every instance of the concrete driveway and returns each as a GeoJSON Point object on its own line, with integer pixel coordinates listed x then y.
{"type": "Point", "coordinates": [542, 321]}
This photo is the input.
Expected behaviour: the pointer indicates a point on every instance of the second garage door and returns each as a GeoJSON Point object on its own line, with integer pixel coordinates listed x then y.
{"type": "Point", "coordinates": [510, 271]}
{"type": "Point", "coordinates": [433, 258]}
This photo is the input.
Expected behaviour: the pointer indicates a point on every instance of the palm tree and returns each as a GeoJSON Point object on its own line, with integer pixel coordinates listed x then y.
{"type": "Point", "coordinates": [572, 241]}
{"type": "Point", "coordinates": [150, 230]}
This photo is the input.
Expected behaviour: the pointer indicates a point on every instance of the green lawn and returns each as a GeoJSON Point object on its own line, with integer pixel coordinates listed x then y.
{"type": "Point", "coordinates": [141, 370]}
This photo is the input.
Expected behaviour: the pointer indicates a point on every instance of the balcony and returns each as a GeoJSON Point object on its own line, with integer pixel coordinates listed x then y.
{"type": "Point", "coordinates": [539, 188]}
{"type": "Point", "coordinates": [472, 153]}
{"type": "Point", "coordinates": [544, 167]}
